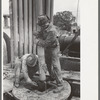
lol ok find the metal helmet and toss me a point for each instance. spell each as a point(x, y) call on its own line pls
point(31, 60)
point(42, 20)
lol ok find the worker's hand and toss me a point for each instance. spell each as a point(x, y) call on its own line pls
point(36, 41)
point(31, 82)
point(40, 43)
point(35, 33)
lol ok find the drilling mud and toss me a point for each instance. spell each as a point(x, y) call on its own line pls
point(28, 92)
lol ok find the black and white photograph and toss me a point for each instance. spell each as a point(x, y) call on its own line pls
point(41, 50)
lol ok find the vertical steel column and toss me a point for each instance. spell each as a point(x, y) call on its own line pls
point(48, 8)
point(30, 26)
point(44, 6)
point(34, 25)
point(34, 15)
point(40, 6)
point(37, 10)
point(51, 9)
point(15, 27)
point(11, 32)
point(21, 36)
point(25, 26)
point(40, 50)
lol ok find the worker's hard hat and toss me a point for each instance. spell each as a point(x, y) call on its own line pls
point(42, 20)
point(31, 60)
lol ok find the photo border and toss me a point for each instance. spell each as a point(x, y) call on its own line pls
point(98, 49)
point(1, 50)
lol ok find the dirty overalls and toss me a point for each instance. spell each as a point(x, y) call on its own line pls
point(51, 44)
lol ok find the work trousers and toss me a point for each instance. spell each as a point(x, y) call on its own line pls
point(53, 63)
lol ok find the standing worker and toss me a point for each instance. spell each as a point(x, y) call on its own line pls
point(48, 39)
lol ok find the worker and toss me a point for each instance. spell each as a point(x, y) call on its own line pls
point(47, 38)
point(28, 65)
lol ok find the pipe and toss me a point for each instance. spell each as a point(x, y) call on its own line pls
point(15, 27)
point(41, 59)
point(51, 10)
point(65, 40)
point(11, 32)
point(44, 6)
point(34, 25)
point(48, 8)
point(25, 26)
point(21, 35)
point(30, 26)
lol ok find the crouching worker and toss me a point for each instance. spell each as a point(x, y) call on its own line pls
point(28, 65)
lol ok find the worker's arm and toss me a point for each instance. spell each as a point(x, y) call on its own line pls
point(25, 72)
point(50, 41)
point(37, 34)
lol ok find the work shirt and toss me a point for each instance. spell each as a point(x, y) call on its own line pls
point(48, 37)
point(27, 69)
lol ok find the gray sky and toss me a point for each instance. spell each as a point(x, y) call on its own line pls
point(5, 6)
point(65, 5)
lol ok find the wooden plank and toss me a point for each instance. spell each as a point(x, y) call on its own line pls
point(48, 8)
point(25, 26)
point(21, 35)
point(15, 27)
point(30, 26)
point(51, 10)
point(71, 75)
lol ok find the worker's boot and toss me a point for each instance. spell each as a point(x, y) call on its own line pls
point(59, 80)
point(59, 88)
